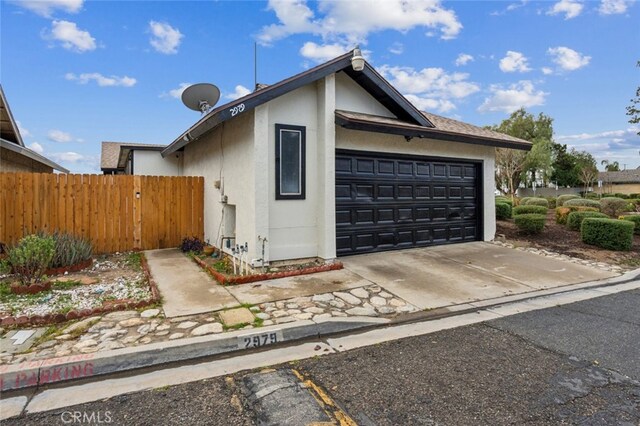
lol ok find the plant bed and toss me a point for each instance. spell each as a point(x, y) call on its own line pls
point(17, 288)
point(71, 268)
point(221, 270)
point(558, 238)
point(113, 282)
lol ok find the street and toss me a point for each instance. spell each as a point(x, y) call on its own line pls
point(573, 364)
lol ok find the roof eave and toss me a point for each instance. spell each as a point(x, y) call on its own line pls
point(32, 155)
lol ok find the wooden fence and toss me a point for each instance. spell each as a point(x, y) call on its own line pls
point(116, 213)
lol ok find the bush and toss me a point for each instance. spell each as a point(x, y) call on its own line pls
point(504, 200)
point(574, 219)
point(534, 201)
point(191, 244)
point(636, 220)
point(31, 258)
point(69, 249)
point(620, 195)
point(610, 234)
point(613, 206)
point(563, 198)
point(529, 210)
point(552, 202)
point(523, 201)
point(530, 223)
point(582, 202)
point(563, 212)
point(591, 195)
point(503, 211)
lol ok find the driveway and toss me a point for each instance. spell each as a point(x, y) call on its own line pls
point(448, 275)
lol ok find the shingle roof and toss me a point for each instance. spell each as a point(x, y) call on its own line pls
point(111, 152)
point(624, 176)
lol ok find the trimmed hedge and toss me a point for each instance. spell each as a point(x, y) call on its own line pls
point(530, 223)
point(636, 220)
point(524, 200)
point(613, 206)
point(534, 201)
point(563, 212)
point(504, 201)
point(529, 210)
point(610, 234)
point(563, 198)
point(574, 219)
point(583, 202)
point(503, 211)
point(552, 202)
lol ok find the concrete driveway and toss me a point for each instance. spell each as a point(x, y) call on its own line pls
point(448, 275)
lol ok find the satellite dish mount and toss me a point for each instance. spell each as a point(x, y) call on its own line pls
point(201, 97)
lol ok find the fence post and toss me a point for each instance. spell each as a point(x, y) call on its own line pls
point(137, 213)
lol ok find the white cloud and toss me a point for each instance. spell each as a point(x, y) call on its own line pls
point(25, 133)
point(177, 92)
point(613, 7)
point(59, 136)
point(164, 38)
point(71, 37)
point(510, 7)
point(101, 80)
point(352, 21)
point(47, 7)
point(514, 61)
point(36, 147)
point(508, 99)
point(396, 48)
point(568, 59)
point(611, 145)
point(570, 8)
point(322, 53)
point(430, 88)
point(463, 59)
point(67, 157)
point(239, 92)
point(546, 70)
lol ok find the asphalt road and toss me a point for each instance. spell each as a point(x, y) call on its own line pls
point(576, 364)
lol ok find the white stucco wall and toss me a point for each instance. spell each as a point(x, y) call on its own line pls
point(350, 96)
point(233, 142)
point(151, 163)
point(378, 142)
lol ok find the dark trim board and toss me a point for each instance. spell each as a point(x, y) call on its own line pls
point(387, 201)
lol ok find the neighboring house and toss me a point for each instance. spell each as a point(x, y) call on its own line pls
point(622, 182)
point(123, 158)
point(14, 155)
point(335, 161)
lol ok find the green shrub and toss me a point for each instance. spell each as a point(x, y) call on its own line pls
point(552, 202)
point(534, 201)
point(530, 223)
point(582, 202)
point(503, 211)
point(529, 210)
point(563, 212)
point(524, 201)
point(610, 234)
point(504, 200)
point(69, 249)
point(620, 195)
point(636, 220)
point(634, 195)
point(591, 195)
point(613, 206)
point(574, 219)
point(562, 198)
point(31, 258)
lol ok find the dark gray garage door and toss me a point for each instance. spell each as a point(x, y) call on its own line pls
point(386, 202)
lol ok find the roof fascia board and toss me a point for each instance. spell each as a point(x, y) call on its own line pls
point(14, 125)
point(366, 126)
point(31, 154)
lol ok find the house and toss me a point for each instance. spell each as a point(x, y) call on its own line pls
point(124, 158)
point(14, 155)
point(335, 161)
point(621, 182)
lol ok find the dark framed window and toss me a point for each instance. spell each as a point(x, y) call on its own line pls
point(290, 162)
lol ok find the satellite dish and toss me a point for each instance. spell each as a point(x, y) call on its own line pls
point(201, 97)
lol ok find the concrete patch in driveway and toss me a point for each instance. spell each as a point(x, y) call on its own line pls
point(455, 274)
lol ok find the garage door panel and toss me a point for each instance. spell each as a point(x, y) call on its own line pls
point(386, 202)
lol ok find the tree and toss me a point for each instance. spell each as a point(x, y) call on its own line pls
point(514, 167)
point(610, 166)
point(587, 170)
point(633, 110)
point(565, 172)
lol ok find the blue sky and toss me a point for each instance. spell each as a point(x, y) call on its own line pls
point(77, 72)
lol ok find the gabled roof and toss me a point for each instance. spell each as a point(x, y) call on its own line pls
point(444, 129)
point(623, 176)
point(111, 153)
point(368, 79)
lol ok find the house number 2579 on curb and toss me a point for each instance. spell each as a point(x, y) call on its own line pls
point(259, 339)
point(236, 110)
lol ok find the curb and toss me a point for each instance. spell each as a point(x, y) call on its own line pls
point(55, 370)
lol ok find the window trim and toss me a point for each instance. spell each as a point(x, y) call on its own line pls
point(303, 167)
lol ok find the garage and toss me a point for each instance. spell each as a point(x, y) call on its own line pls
point(393, 201)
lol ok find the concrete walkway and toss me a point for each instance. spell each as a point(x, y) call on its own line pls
point(185, 288)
